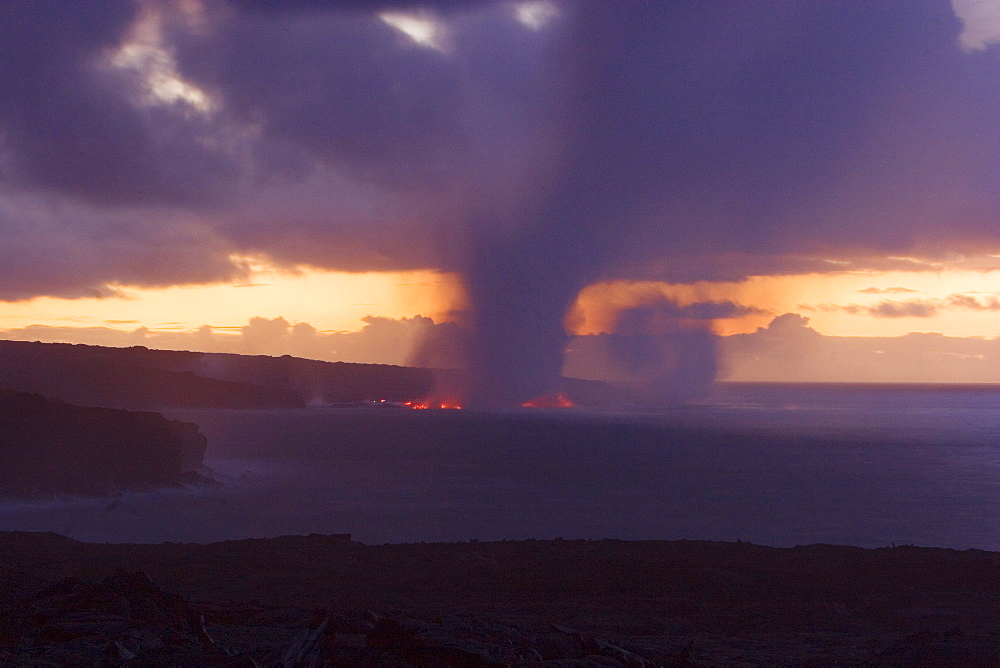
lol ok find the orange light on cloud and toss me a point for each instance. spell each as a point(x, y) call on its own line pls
point(820, 297)
point(337, 301)
point(329, 301)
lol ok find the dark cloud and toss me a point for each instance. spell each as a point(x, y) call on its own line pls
point(275, 7)
point(344, 89)
point(916, 308)
point(69, 122)
point(737, 135)
point(50, 248)
point(971, 302)
point(58, 116)
point(663, 314)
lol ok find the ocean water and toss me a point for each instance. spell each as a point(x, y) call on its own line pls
point(771, 464)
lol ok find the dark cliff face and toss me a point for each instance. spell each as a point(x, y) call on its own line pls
point(49, 447)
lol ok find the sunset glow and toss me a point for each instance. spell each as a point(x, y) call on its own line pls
point(838, 304)
point(329, 301)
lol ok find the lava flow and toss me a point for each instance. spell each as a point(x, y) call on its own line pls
point(558, 400)
point(423, 405)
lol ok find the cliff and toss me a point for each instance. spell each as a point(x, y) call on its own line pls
point(50, 447)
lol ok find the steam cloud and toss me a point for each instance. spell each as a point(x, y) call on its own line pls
point(150, 143)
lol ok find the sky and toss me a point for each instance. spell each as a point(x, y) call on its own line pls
point(485, 183)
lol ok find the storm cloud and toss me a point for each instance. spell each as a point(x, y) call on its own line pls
point(156, 143)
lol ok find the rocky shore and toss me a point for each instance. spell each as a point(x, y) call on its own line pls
point(327, 600)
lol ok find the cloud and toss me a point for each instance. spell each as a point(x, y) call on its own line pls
point(914, 308)
point(972, 302)
point(788, 324)
point(417, 341)
point(664, 314)
point(368, 153)
point(889, 308)
point(789, 351)
point(536, 14)
point(917, 308)
point(83, 250)
point(980, 23)
point(886, 291)
point(280, 7)
point(69, 121)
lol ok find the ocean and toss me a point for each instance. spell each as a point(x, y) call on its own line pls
point(773, 464)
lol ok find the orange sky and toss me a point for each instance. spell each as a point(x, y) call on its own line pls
point(336, 301)
point(835, 303)
point(329, 301)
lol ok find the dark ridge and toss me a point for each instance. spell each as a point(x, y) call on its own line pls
point(141, 378)
point(48, 447)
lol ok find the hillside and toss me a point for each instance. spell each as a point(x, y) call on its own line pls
point(141, 378)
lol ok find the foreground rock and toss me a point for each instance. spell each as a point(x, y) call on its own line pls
point(326, 600)
point(48, 447)
point(125, 619)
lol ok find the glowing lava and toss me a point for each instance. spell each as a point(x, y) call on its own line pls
point(424, 405)
point(558, 400)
